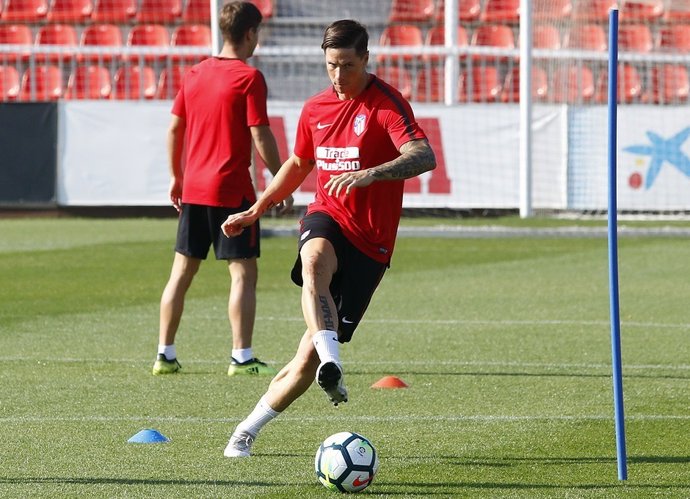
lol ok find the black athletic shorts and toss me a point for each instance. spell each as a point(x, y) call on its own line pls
point(356, 277)
point(199, 227)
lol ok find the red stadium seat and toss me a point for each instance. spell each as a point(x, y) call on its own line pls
point(674, 38)
point(493, 35)
point(545, 36)
point(191, 35)
point(101, 35)
point(551, 10)
point(265, 7)
point(593, 10)
point(170, 81)
point(635, 38)
point(70, 11)
point(42, 83)
point(670, 84)
point(677, 11)
point(485, 82)
point(436, 36)
point(400, 35)
point(573, 84)
point(501, 11)
point(29, 11)
point(430, 85)
point(468, 10)
point(630, 88)
point(89, 82)
point(511, 87)
point(148, 35)
point(56, 34)
point(135, 82)
point(159, 11)
point(398, 77)
point(641, 10)
point(114, 11)
point(15, 34)
point(586, 37)
point(9, 83)
point(196, 11)
point(410, 11)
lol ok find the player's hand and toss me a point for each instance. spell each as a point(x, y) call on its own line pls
point(347, 181)
point(285, 206)
point(235, 224)
point(175, 193)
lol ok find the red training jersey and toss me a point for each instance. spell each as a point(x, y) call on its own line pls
point(219, 100)
point(357, 134)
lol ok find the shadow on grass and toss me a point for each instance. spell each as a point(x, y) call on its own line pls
point(132, 481)
point(526, 374)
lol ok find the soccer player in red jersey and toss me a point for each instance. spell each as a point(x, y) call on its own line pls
point(362, 137)
point(218, 113)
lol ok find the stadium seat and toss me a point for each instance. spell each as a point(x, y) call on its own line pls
point(635, 38)
point(436, 36)
point(551, 10)
point(135, 82)
point(501, 11)
point(9, 83)
point(46, 80)
point(493, 35)
point(148, 35)
point(511, 87)
point(28, 11)
point(196, 11)
point(430, 85)
point(674, 38)
point(468, 10)
point(70, 11)
point(573, 84)
point(641, 10)
point(593, 10)
point(101, 35)
point(485, 82)
point(170, 81)
point(586, 37)
point(399, 77)
point(159, 11)
point(670, 84)
point(400, 35)
point(15, 34)
point(114, 11)
point(89, 82)
point(56, 34)
point(630, 88)
point(410, 11)
point(677, 11)
point(265, 7)
point(191, 35)
point(546, 36)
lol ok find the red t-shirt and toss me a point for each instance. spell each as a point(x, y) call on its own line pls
point(356, 134)
point(219, 100)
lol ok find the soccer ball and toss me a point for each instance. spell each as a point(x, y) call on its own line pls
point(346, 462)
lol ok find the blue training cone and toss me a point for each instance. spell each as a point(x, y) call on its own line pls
point(148, 436)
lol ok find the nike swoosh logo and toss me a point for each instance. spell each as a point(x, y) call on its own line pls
point(319, 126)
point(357, 482)
point(345, 321)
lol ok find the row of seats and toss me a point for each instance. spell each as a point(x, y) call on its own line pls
point(114, 11)
point(508, 11)
point(574, 83)
point(102, 35)
point(631, 38)
point(89, 81)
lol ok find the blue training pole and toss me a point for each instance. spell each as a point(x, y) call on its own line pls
point(613, 249)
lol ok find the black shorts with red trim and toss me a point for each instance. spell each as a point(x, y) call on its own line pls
point(355, 279)
point(199, 227)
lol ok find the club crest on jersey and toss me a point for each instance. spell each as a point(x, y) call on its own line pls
point(360, 123)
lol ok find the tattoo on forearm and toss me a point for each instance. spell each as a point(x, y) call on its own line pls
point(327, 314)
point(416, 158)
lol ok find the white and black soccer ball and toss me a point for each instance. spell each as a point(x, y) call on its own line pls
point(346, 462)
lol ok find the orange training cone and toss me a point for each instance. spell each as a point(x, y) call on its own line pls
point(390, 382)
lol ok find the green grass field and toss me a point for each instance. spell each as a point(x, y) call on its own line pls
point(505, 343)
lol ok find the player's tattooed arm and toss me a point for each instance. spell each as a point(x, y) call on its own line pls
point(416, 157)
